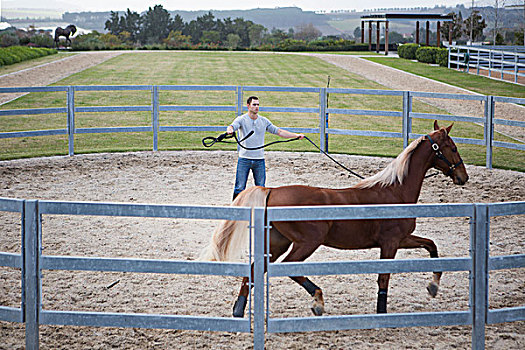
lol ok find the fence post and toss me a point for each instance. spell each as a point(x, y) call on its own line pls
point(490, 63)
point(407, 121)
point(489, 129)
point(467, 61)
point(239, 100)
point(155, 116)
point(515, 66)
point(480, 269)
point(31, 256)
point(71, 119)
point(258, 279)
point(322, 119)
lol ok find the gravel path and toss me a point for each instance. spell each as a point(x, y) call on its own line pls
point(52, 72)
point(398, 80)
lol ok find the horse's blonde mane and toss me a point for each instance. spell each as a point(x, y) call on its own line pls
point(395, 172)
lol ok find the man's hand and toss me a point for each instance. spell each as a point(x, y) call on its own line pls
point(229, 130)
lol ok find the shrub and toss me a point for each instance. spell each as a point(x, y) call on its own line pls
point(407, 51)
point(7, 58)
point(15, 54)
point(291, 45)
point(42, 40)
point(9, 39)
point(427, 54)
point(442, 57)
point(89, 41)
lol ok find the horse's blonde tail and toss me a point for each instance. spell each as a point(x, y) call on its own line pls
point(229, 239)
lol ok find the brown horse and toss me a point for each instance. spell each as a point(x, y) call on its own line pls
point(400, 182)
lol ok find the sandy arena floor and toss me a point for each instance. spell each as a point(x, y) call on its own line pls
point(206, 178)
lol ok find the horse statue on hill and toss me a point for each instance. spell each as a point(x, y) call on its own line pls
point(69, 30)
point(399, 183)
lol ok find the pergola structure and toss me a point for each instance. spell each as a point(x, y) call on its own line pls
point(388, 17)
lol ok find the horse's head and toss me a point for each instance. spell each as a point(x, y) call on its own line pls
point(446, 156)
point(72, 28)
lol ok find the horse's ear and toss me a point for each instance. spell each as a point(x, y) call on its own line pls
point(450, 127)
point(436, 126)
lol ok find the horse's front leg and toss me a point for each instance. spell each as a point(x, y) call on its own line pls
point(420, 242)
point(383, 280)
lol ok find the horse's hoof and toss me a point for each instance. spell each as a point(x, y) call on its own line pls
point(432, 289)
point(317, 310)
point(240, 305)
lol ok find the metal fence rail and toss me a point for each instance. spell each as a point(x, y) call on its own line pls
point(238, 107)
point(31, 261)
point(496, 59)
point(13, 260)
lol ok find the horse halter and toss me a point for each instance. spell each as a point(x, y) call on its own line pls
point(442, 157)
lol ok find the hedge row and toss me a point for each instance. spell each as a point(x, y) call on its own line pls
point(16, 54)
point(425, 54)
point(96, 41)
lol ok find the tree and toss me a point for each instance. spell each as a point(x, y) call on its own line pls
point(499, 40)
point(307, 32)
point(178, 23)
point(193, 31)
point(156, 25)
point(232, 41)
point(496, 20)
point(276, 36)
point(255, 33)
point(198, 26)
point(130, 23)
point(210, 37)
point(455, 27)
point(112, 24)
point(394, 38)
point(357, 33)
point(475, 23)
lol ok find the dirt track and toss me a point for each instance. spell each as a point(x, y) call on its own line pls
point(206, 178)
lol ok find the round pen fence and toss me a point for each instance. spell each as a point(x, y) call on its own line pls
point(238, 107)
point(31, 261)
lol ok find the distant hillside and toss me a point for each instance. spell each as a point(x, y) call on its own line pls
point(329, 23)
point(347, 21)
point(280, 18)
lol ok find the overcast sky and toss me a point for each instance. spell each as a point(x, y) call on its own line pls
point(142, 5)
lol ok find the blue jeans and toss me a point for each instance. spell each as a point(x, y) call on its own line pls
point(244, 165)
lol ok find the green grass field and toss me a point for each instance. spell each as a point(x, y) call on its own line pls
point(476, 83)
point(221, 68)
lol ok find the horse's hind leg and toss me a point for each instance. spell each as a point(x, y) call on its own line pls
point(420, 242)
point(300, 252)
point(278, 246)
point(314, 291)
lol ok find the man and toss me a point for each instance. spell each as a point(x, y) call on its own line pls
point(253, 159)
